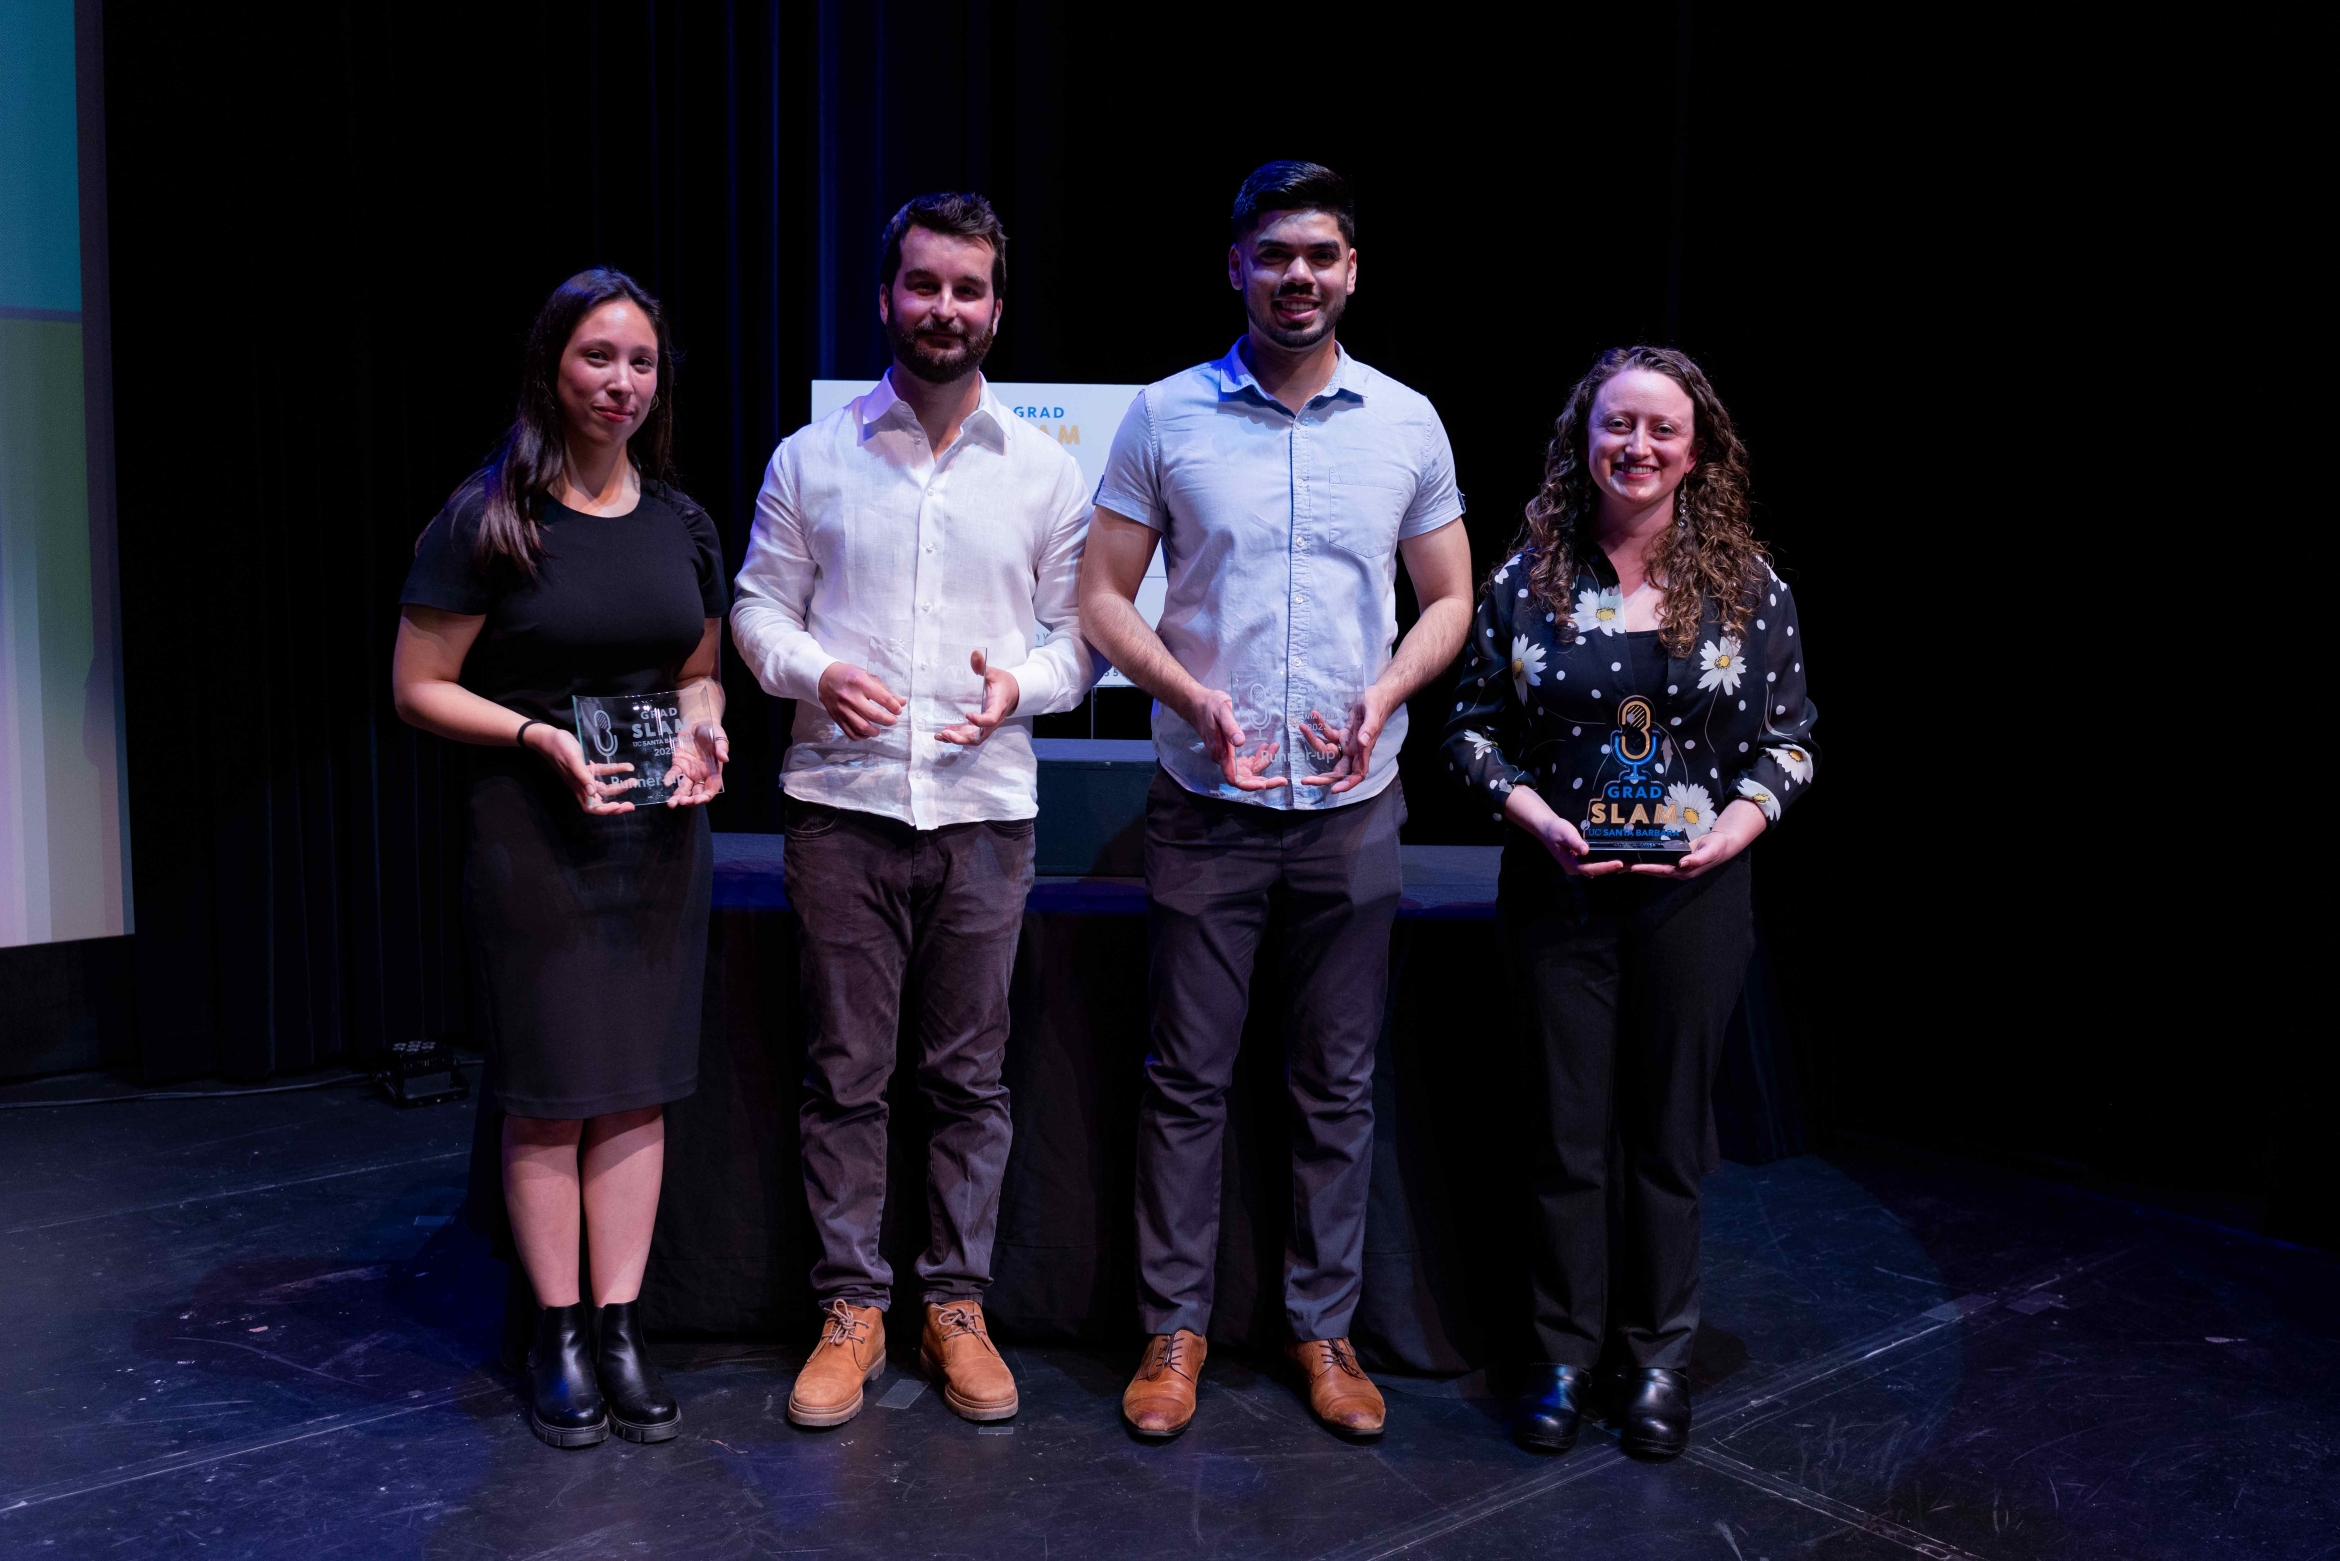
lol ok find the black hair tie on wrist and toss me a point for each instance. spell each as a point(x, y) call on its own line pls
point(520, 738)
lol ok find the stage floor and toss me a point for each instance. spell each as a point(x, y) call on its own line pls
point(249, 1328)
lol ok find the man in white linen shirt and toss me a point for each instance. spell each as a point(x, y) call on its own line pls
point(1284, 483)
point(912, 583)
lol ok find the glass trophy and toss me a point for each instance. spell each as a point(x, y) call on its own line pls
point(636, 729)
point(1634, 814)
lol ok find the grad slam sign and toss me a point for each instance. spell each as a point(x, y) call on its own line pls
point(1081, 418)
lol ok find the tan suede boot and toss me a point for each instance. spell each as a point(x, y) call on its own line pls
point(1340, 1393)
point(956, 1351)
point(1159, 1400)
point(852, 1350)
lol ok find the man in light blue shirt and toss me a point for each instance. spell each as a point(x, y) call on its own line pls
point(1284, 483)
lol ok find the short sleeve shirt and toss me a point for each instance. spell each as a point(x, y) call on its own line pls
point(1280, 535)
point(617, 606)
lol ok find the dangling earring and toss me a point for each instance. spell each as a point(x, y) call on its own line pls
point(1682, 507)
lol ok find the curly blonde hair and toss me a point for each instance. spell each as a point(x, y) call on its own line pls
point(1708, 554)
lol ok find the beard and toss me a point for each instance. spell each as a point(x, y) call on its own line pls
point(939, 368)
point(1328, 315)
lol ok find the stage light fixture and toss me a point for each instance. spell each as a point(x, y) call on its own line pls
point(422, 1073)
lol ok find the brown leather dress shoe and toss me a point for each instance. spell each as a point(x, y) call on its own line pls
point(976, 1383)
point(1340, 1393)
point(852, 1350)
point(1160, 1398)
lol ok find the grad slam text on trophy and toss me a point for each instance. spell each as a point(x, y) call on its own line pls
point(636, 729)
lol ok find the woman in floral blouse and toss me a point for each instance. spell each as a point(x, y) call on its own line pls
point(1637, 653)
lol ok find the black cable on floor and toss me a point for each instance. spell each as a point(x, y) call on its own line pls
point(187, 1094)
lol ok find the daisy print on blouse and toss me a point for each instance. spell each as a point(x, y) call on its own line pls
point(1719, 664)
point(1527, 665)
point(1692, 808)
point(1601, 609)
point(1623, 738)
point(1794, 763)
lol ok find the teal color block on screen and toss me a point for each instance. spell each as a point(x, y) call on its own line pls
point(40, 200)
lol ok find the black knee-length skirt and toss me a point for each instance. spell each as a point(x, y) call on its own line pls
point(590, 946)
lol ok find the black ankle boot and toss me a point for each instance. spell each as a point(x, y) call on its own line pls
point(564, 1398)
point(1651, 1411)
point(1549, 1407)
point(640, 1408)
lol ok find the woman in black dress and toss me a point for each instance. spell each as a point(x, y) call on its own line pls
point(1635, 663)
point(570, 565)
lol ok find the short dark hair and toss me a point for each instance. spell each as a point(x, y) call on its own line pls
point(1295, 186)
point(959, 214)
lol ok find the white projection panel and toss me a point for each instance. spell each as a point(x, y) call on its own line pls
point(1082, 418)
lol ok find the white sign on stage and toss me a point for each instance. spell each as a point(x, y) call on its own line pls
point(1082, 418)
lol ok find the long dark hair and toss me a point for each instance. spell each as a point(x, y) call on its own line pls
point(528, 460)
point(1709, 554)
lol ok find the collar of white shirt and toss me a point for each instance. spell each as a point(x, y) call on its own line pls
point(883, 404)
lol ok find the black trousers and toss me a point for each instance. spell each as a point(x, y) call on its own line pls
point(889, 909)
point(1624, 987)
point(1214, 870)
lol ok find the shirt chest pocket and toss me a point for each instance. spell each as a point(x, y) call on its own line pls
point(1361, 520)
point(1365, 495)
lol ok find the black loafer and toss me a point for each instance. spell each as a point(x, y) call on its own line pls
point(564, 1396)
point(1650, 1407)
point(640, 1408)
point(1549, 1408)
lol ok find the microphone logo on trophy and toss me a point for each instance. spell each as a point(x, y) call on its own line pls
point(1632, 816)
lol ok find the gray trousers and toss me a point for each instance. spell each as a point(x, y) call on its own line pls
point(890, 911)
point(1213, 870)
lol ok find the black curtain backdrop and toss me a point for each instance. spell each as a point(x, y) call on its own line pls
point(331, 224)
